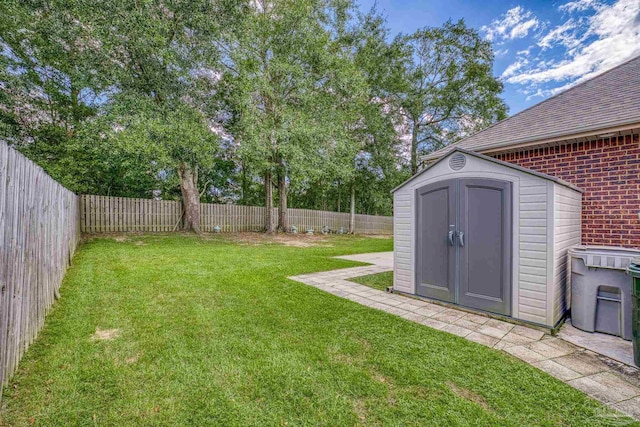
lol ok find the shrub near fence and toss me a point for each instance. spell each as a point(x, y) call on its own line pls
point(39, 232)
point(104, 214)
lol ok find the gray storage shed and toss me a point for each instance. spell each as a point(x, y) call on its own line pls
point(488, 235)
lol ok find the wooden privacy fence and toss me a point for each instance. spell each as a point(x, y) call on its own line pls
point(104, 214)
point(39, 232)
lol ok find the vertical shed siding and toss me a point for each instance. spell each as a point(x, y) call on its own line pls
point(402, 231)
point(533, 274)
point(567, 233)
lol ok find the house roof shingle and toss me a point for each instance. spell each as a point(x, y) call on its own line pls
point(608, 100)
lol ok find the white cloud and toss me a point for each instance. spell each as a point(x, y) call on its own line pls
point(563, 34)
point(577, 6)
point(513, 69)
point(524, 52)
point(514, 24)
point(522, 29)
point(538, 93)
point(591, 45)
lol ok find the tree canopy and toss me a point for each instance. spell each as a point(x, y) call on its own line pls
point(301, 103)
point(449, 90)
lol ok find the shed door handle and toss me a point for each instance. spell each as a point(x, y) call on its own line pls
point(461, 238)
point(451, 233)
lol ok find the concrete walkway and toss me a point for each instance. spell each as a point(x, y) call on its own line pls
point(615, 384)
point(607, 345)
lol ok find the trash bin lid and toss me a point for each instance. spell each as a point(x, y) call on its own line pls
point(604, 256)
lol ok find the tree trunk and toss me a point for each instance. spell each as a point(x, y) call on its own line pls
point(414, 149)
point(75, 105)
point(283, 216)
point(268, 202)
point(244, 184)
point(190, 197)
point(352, 213)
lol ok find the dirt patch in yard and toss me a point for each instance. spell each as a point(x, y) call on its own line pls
point(295, 240)
point(251, 238)
point(302, 244)
point(468, 395)
point(345, 359)
point(360, 408)
point(105, 334)
point(380, 378)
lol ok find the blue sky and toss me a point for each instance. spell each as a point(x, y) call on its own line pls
point(541, 47)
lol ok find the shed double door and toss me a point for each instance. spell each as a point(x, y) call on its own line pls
point(463, 243)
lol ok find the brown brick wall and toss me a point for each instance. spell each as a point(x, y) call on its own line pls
point(609, 173)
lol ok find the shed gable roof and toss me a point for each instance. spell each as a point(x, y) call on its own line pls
point(456, 149)
point(608, 100)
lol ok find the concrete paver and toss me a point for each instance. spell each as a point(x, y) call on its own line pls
point(466, 323)
point(557, 370)
point(606, 387)
point(482, 339)
point(526, 354)
point(552, 348)
point(517, 339)
point(457, 330)
point(583, 362)
point(630, 407)
point(491, 331)
point(449, 315)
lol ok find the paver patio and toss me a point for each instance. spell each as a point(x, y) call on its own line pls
point(605, 379)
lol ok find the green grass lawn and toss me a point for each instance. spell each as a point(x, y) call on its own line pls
point(380, 281)
point(210, 332)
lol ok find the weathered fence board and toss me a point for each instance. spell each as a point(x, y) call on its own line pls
point(39, 232)
point(102, 214)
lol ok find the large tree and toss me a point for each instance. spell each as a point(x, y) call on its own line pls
point(251, 101)
point(55, 77)
point(377, 158)
point(82, 75)
point(178, 139)
point(450, 90)
point(163, 57)
point(289, 77)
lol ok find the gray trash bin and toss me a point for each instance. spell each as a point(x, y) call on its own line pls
point(601, 289)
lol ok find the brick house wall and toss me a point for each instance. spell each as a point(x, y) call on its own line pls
point(609, 173)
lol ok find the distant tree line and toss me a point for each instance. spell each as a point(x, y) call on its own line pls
point(287, 103)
